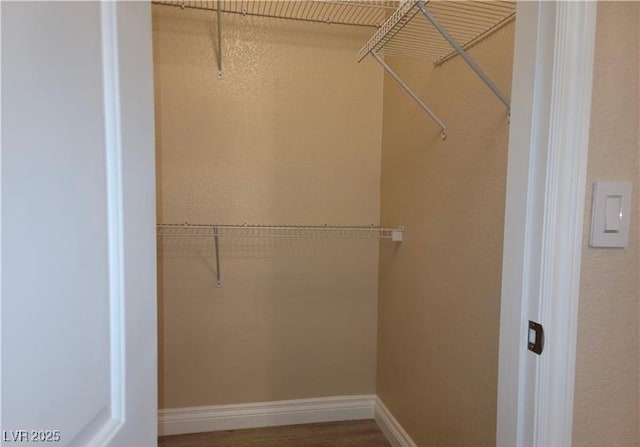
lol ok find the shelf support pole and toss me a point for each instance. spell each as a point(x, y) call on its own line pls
point(215, 242)
point(218, 2)
point(463, 54)
point(406, 88)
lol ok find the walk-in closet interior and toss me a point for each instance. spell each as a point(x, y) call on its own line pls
point(330, 205)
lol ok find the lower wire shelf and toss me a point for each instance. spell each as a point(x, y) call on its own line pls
point(299, 231)
point(292, 231)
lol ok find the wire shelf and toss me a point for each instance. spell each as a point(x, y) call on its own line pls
point(440, 29)
point(370, 13)
point(293, 231)
point(409, 34)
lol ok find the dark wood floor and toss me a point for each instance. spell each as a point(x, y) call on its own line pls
point(331, 434)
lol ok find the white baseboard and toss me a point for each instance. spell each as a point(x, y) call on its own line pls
point(391, 428)
point(174, 421)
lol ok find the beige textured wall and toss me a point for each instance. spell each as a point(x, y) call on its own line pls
point(439, 299)
point(291, 135)
point(606, 389)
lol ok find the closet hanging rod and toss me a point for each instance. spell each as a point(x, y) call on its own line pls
point(370, 13)
point(293, 231)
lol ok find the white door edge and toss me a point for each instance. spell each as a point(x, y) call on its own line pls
point(79, 150)
point(1, 295)
point(546, 184)
point(115, 205)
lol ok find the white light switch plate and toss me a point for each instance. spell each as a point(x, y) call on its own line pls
point(611, 214)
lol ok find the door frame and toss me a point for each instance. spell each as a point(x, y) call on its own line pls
point(544, 218)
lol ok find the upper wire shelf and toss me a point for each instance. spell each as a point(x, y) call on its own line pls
point(410, 34)
point(370, 13)
point(294, 231)
point(438, 29)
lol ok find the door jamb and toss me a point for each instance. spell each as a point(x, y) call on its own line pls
point(546, 185)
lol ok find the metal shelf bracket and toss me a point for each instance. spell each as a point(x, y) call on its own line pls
point(219, 54)
point(215, 241)
point(416, 98)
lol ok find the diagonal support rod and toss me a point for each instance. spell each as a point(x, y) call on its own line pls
point(406, 88)
point(475, 67)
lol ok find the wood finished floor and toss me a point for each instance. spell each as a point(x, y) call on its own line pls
point(331, 434)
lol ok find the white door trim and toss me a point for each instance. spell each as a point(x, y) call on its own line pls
point(546, 187)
